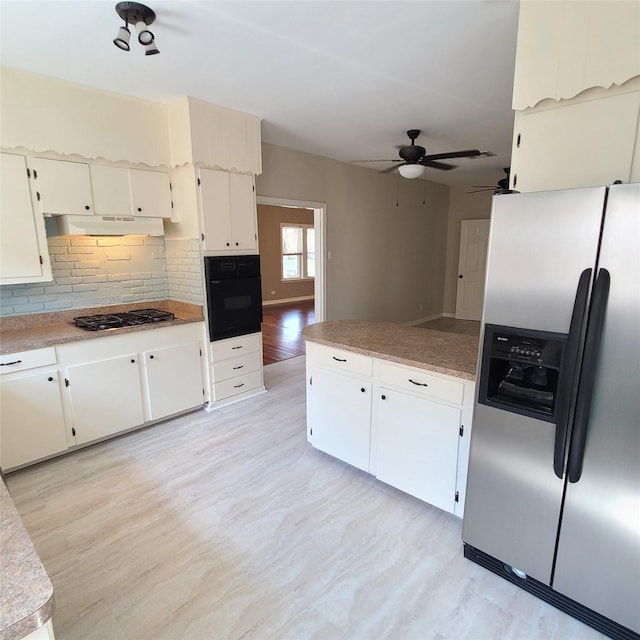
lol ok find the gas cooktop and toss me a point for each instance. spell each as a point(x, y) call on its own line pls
point(123, 319)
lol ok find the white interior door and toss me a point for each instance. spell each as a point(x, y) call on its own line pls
point(472, 264)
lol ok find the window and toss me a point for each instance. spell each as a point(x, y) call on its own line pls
point(298, 251)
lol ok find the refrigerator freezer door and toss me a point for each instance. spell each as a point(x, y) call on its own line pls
point(538, 247)
point(513, 495)
point(598, 561)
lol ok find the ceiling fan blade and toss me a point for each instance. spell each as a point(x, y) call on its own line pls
point(437, 165)
point(468, 153)
point(392, 167)
point(483, 190)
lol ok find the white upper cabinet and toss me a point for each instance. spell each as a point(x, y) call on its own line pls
point(228, 209)
point(24, 255)
point(214, 136)
point(150, 193)
point(111, 190)
point(565, 47)
point(130, 192)
point(63, 188)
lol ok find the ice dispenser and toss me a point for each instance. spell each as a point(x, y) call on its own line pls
point(520, 370)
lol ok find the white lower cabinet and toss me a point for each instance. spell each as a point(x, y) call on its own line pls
point(174, 379)
point(106, 397)
point(32, 423)
point(417, 446)
point(127, 380)
point(339, 415)
point(413, 436)
point(236, 367)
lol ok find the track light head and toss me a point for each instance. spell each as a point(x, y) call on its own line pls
point(150, 49)
point(122, 39)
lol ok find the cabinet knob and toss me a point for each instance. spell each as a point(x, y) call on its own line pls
point(237, 243)
point(139, 208)
point(50, 379)
point(228, 244)
point(151, 357)
point(362, 389)
point(384, 397)
point(87, 207)
point(133, 361)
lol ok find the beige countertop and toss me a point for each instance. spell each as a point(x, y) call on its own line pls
point(26, 596)
point(37, 331)
point(450, 353)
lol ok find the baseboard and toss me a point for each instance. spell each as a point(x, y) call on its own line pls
point(427, 319)
point(266, 303)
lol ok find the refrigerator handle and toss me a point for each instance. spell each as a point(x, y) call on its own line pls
point(566, 388)
point(588, 375)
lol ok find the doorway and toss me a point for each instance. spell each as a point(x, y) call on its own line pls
point(284, 316)
point(472, 265)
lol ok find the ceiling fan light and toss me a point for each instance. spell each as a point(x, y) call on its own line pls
point(411, 170)
point(122, 39)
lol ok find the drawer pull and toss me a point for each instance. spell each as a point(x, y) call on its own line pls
point(6, 364)
point(238, 347)
point(237, 386)
point(50, 379)
point(362, 389)
point(419, 384)
point(240, 367)
point(339, 359)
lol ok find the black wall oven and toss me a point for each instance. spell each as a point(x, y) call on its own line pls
point(234, 295)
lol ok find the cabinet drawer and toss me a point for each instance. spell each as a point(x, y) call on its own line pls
point(236, 367)
point(13, 362)
point(233, 387)
point(422, 383)
point(234, 347)
point(340, 360)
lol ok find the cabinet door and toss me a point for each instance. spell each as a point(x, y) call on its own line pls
point(339, 416)
point(243, 212)
point(64, 187)
point(174, 379)
point(31, 419)
point(150, 193)
point(417, 447)
point(21, 259)
point(214, 205)
point(111, 190)
point(105, 397)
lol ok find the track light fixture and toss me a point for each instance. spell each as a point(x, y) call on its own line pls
point(140, 16)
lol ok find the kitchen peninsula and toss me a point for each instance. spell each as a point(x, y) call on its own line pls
point(394, 401)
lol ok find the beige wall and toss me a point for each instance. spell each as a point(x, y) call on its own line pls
point(462, 206)
point(387, 260)
point(269, 220)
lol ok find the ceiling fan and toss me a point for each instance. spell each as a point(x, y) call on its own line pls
point(501, 187)
point(414, 158)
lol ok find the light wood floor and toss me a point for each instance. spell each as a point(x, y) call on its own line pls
point(229, 525)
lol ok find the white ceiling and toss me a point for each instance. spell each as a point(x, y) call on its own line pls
point(338, 79)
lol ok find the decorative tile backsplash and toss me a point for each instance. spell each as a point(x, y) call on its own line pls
point(93, 271)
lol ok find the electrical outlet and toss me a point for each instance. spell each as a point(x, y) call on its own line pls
point(273, 293)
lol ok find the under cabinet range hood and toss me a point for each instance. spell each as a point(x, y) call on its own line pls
point(110, 225)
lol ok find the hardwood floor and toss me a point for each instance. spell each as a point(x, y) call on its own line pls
point(282, 327)
point(229, 525)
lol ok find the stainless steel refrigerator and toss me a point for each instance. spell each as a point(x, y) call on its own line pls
point(553, 490)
